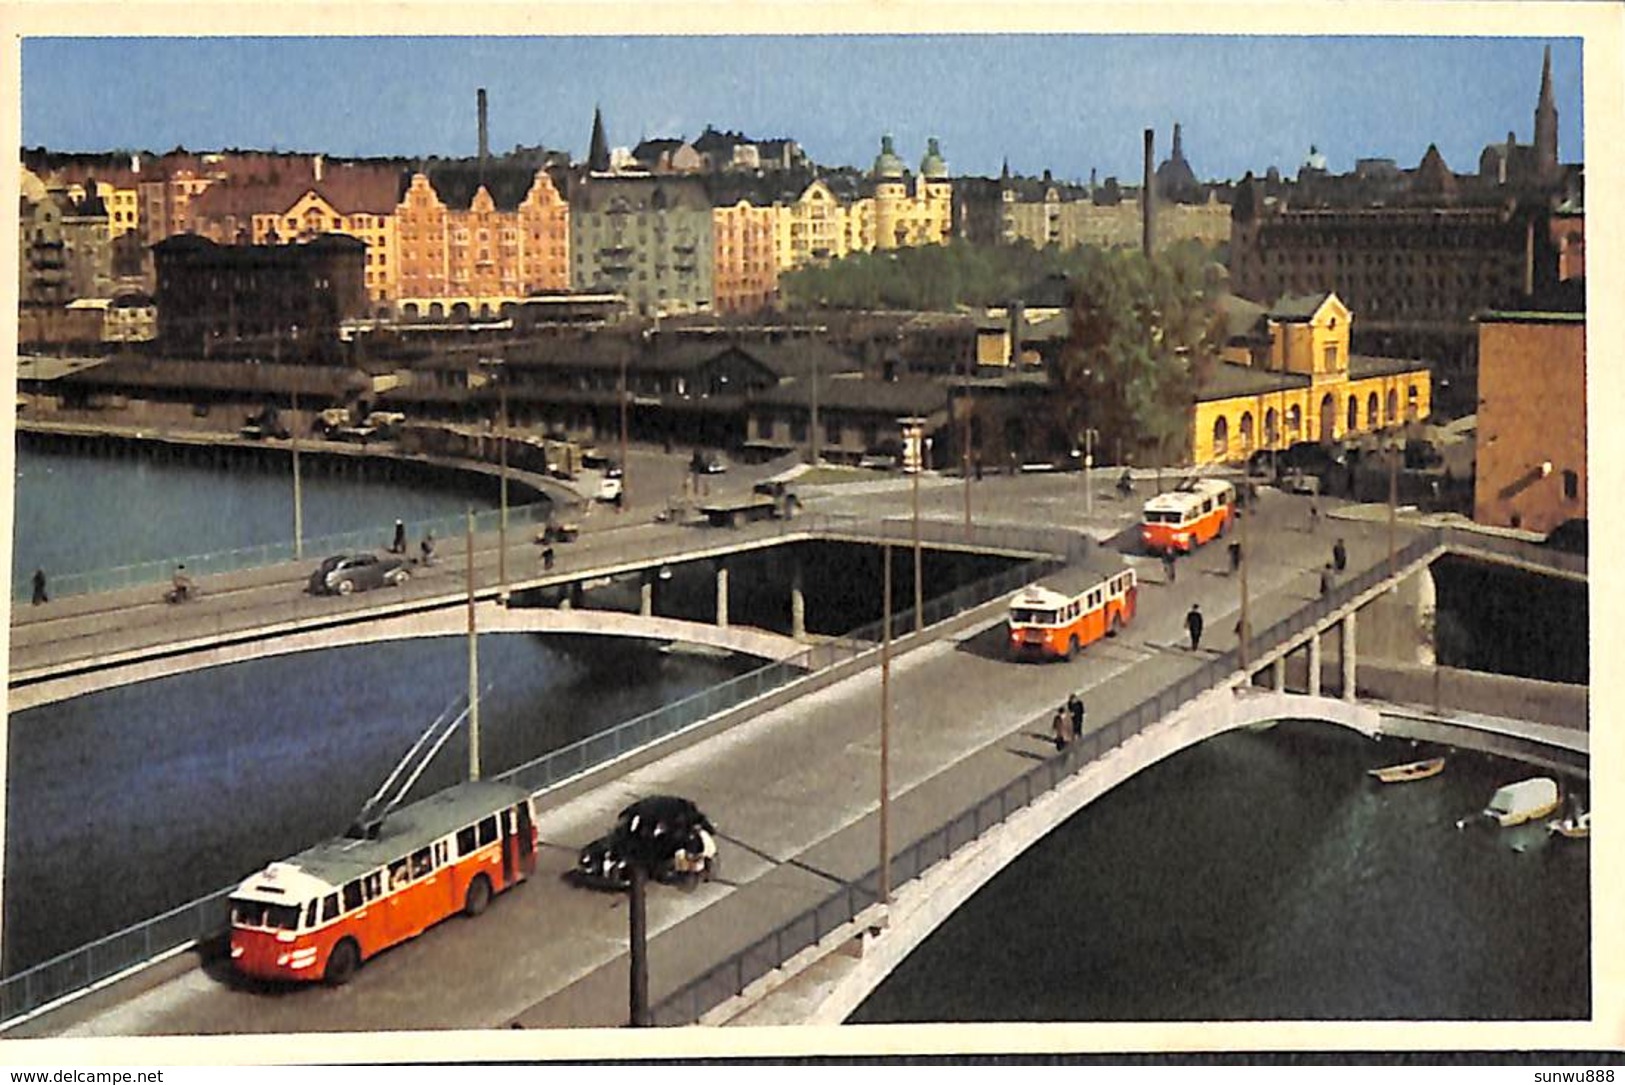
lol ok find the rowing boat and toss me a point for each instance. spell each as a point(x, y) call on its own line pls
point(1411, 770)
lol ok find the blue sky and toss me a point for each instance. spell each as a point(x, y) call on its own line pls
point(1066, 102)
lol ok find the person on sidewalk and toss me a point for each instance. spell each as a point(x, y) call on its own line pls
point(1314, 515)
point(1061, 726)
point(1340, 556)
point(1074, 709)
point(40, 595)
point(1326, 577)
point(1235, 557)
point(1168, 572)
point(426, 547)
point(1193, 625)
point(399, 545)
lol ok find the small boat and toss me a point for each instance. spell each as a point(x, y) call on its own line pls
point(1411, 770)
point(1575, 828)
point(1523, 801)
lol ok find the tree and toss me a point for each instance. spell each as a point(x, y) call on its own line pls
point(1145, 335)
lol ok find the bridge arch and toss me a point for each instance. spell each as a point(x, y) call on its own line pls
point(920, 906)
point(490, 617)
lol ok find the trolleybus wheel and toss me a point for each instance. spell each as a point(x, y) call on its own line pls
point(479, 895)
point(1072, 646)
point(342, 963)
point(1117, 625)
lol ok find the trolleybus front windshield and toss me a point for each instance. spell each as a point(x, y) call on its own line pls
point(253, 913)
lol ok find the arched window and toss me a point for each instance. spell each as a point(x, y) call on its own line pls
point(1393, 406)
point(1272, 428)
point(1221, 438)
point(1372, 420)
point(1328, 417)
point(1247, 431)
point(1294, 422)
point(1411, 403)
point(1354, 414)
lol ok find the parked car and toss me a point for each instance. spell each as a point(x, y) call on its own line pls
point(665, 834)
point(706, 463)
point(609, 488)
point(342, 574)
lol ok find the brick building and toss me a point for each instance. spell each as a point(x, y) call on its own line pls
point(1531, 465)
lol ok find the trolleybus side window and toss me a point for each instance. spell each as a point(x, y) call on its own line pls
point(397, 874)
point(352, 895)
point(465, 841)
point(488, 829)
point(310, 913)
point(440, 849)
point(373, 884)
point(330, 907)
point(421, 863)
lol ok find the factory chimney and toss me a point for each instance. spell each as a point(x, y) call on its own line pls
point(1148, 197)
point(485, 145)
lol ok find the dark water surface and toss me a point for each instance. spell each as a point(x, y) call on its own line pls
point(1262, 875)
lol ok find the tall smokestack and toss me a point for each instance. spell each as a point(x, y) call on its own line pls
point(1147, 200)
point(485, 146)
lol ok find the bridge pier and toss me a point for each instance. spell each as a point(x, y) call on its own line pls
point(798, 601)
point(1278, 674)
point(1314, 663)
point(646, 593)
point(1346, 649)
point(722, 594)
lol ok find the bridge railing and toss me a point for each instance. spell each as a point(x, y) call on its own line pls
point(445, 528)
point(78, 969)
point(732, 976)
point(1523, 550)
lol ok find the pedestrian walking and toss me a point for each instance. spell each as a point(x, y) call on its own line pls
point(547, 559)
point(1193, 625)
point(1314, 515)
point(1235, 557)
point(426, 547)
point(1340, 556)
point(1074, 709)
point(1168, 574)
point(399, 545)
point(1326, 579)
point(39, 588)
point(1060, 725)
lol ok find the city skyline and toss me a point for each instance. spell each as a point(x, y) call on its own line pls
point(983, 96)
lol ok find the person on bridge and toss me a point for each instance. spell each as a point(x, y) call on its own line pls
point(1168, 573)
point(1193, 625)
point(1326, 578)
point(427, 547)
point(547, 558)
point(1074, 709)
point(1235, 557)
point(39, 588)
point(1062, 726)
point(1314, 515)
point(181, 587)
point(1340, 556)
point(399, 545)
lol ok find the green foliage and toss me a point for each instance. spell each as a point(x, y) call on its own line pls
point(1144, 336)
point(927, 277)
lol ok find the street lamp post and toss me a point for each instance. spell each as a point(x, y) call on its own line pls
point(473, 661)
point(913, 436)
point(964, 452)
point(298, 497)
point(1088, 472)
point(498, 374)
point(885, 727)
point(626, 468)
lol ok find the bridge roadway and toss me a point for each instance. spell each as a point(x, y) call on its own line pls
point(794, 794)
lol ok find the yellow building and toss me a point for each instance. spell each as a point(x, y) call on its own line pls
point(813, 228)
point(745, 272)
point(904, 219)
point(1288, 376)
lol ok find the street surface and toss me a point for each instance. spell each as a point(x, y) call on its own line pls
point(794, 792)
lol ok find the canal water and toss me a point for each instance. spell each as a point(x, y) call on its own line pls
point(1262, 875)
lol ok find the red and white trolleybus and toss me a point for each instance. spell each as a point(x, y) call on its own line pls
point(321, 913)
point(1185, 518)
point(1071, 609)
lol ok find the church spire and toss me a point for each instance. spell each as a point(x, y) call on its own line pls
point(1546, 124)
point(598, 153)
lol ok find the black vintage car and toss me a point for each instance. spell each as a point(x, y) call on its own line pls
point(342, 574)
point(667, 835)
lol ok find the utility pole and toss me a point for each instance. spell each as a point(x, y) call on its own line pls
point(1245, 639)
point(298, 497)
point(885, 728)
point(917, 431)
point(473, 663)
point(964, 448)
point(626, 496)
point(637, 916)
point(1393, 503)
point(1088, 472)
point(502, 446)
